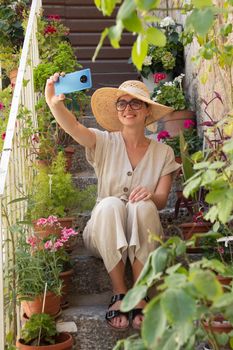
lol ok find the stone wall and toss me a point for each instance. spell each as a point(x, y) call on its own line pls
point(203, 77)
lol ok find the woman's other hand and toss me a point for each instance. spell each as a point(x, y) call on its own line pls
point(140, 193)
point(52, 99)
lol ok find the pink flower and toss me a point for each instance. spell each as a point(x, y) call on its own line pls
point(54, 17)
point(3, 136)
point(52, 220)
point(32, 240)
point(48, 245)
point(159, 76)
point(35, 138)
point(198, 217)
point(50, 29)
point(41, 222)
point(220, 250)
point(1, 106)
point(162, 135)
point(58, 244)
point(188, 123)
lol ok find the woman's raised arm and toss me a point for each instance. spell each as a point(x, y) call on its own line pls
point(65, 118)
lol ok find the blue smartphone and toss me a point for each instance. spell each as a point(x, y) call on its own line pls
point(75, 81)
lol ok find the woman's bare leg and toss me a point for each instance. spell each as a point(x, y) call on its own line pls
point(117, 276)
point(137, 268)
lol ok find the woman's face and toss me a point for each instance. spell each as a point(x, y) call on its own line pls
point(131, 111)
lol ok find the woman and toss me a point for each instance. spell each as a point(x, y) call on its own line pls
point(134, 179)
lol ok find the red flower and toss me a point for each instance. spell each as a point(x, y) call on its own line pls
point(188, 123)
point(162, 135)
point(3, 136)
point(50, 29)
point(158, 77)
point(54, 17)
point(198, 217)
point(1, 106)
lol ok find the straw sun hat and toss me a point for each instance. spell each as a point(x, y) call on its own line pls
point(103, 103)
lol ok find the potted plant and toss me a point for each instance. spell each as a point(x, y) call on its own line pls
point(171, 94)
point(12, 15)
point(53, 192)
point(162, 63)
point(38, 277)
point(187, 298)
point(39, 333)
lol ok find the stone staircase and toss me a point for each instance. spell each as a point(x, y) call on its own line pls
point(91, 289)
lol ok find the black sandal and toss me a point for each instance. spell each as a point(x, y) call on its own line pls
point(111, 314)
point(138, 311)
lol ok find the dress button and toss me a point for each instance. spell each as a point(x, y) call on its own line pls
point(125, 189)
point(129, 173)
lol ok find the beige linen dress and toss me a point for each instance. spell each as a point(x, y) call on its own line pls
point(118, 228)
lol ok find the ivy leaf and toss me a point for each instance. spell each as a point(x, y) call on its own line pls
point(133, 297)
point(126, 9)
point(179, 306)
point(154, 323)
point(201, 20)
point(155, 36)
point(139, 52)
point(132, 23)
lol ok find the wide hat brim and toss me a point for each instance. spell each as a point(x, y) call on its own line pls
point(103, 104)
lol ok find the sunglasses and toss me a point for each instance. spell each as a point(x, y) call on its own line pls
point(134, 104)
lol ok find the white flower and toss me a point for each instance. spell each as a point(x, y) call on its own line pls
point(158, 92)
point(179, 78)
point(168, 83)
point(167, 21)
point(154, 99)
point(147, 61)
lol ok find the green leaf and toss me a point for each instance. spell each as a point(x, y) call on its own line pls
point(114, 34)
point(133, 297)
point(154, 323)
point(106, 6)
point(178, 306)
point(208, 177)
point(159, 259)
point(126, 9)
point(216, 196)
point(155, 36)
point(225, 209)
point(224, 300)
point(100, 44)
point(212, 214)
point(146, 5)
point(202, 3)
point(206, 284)
point(139, 52)
point(133, 23)
point(201, 20)
point(191, 187)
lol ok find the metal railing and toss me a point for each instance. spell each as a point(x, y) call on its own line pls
point(16, 171)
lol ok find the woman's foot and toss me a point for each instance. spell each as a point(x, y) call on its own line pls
point(115, 318)
point(137, 314)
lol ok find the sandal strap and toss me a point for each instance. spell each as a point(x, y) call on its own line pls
point(115, 298)
point(115, 313)
point(136, 312)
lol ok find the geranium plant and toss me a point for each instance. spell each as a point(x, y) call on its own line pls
point(168, 58)
point(171, 94)
point(5, 104)
point(194, 142)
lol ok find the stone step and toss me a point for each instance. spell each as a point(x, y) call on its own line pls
point(88, 313)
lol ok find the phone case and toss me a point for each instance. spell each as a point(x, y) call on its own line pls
point(75, 81)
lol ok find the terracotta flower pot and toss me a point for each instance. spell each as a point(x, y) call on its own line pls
point(174, 121)
point(190, 228)
point(64, 341)
point(224, 280)
point(13, 76)
point(52, 305)
point(66, 277)
point(48, 230)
